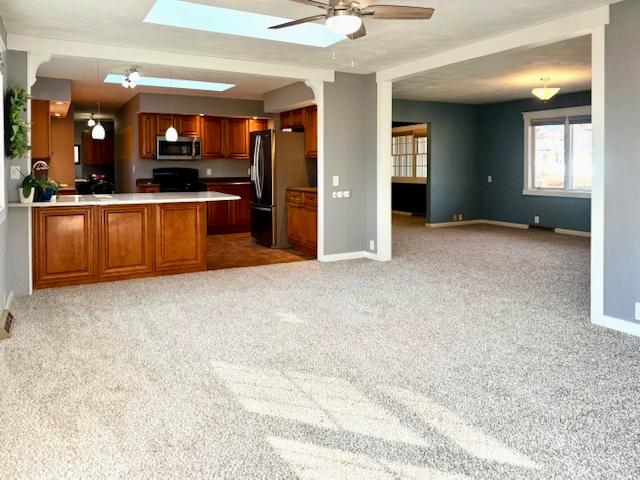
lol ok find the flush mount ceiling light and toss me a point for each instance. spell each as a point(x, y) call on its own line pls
point(545, 92)
point(131, 77)
point(91, 121)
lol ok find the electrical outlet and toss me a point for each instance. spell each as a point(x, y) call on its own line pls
point(489, 179)
point(455, 217)
point(460, 217)
point(638, 311)
point(347, 194)
point(340, 194)
point(15, 172)
point(536, 219)
point(372, 245)
point(133, 169)
point(334, 194)
point(208, 172)
point(336, 181)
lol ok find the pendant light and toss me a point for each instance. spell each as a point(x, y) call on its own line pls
point(91, 121)
point(545, 93)
point(171, 135)
point(97, 132)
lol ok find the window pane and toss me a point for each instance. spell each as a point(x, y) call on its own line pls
point(549, 156)
point(581, 153)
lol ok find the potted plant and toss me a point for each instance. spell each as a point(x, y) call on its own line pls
point(17, 131)
point(47, 190)
point(27, 190)
point(33, 189)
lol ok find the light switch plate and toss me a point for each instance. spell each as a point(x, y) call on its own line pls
point(336, 181)
point(15, 172)
point(489, 179)
point(208, 172)
point(536, 219)
point(638, 311)
point(372, 245)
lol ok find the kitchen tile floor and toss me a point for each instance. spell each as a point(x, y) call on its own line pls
point(239, 250)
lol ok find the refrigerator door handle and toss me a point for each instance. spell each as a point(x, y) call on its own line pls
point(256, 161)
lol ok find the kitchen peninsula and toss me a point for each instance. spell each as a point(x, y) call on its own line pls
point(99, 238)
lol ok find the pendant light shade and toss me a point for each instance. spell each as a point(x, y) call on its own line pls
point(171, 134)
point(98, 132)
point(545, 92)
point(91, 122)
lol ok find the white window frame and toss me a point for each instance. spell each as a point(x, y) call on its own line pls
point(529, 144)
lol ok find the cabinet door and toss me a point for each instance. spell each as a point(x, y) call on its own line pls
point(147, 130)
point(63, 246)
point(310, 235)
point(165, 121)
point(97, 152)
point(40, 129)
point(188, 125)
point(212, 138)
point(285, 120)
point(297, 118)
point(237, 138)
point(295, 217)
point(243, 208)
point(181, 237)
point(311, 132)
point(257, 125)
point(125, 239)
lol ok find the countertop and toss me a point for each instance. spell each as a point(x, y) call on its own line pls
point(304, 189)
point(208, 180)
point(130, 199)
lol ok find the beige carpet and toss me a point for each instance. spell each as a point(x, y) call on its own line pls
point(469, 356)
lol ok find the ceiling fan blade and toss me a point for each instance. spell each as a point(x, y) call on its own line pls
point(313, 3)
point(359, 34)
point(299, 22)
point(396, 12)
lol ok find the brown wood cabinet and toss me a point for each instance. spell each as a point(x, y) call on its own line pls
point(302, 219)
point(150, 188)
point(40, 130)
point(98, 152)
point(76, 245)
point(213, 137)
point(125, 240)
point(231, 216)
point(147, 131)
point(164, 122)
point(64, 246)
point(181, 236)
point(304, 119)
point(188, 125)
point(237, 136)
point(258, 124)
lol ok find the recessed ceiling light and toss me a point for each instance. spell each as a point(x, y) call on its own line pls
point(56, 114)
point(195, 16)
point(202, 114)
point(58, 103)
point(177, 83)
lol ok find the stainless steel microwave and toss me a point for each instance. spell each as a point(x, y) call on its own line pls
point(186, 148)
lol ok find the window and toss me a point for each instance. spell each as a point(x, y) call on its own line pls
point(410, 153)
point(558, 152)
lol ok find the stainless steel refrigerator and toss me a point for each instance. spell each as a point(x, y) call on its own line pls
point(277, 163)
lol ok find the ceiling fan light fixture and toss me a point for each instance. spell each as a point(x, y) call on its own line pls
point(344, 23)
point(545, 92)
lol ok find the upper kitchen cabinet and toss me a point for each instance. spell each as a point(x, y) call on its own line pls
point(311, 132)
point(148, 130)
point(212, 137)
point(258, 124)
point(237, 145)
point(40, 129)
point(297, 118)
point(164, 122)
point(188, 125)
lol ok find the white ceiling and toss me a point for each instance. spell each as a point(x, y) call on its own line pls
point(389, 43)
point(87, 91)
point(504, 76)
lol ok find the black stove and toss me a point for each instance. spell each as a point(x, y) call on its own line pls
point(178, 180)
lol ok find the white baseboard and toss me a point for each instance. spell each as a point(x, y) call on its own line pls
point(339, 257)
point(9, 301)
point(577, 233)
point(618, 324)
point(522, 226)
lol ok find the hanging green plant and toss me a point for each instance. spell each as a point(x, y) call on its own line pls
point(17, 141)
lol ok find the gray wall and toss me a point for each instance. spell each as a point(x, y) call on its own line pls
point(126, 117)
point(455, 152)
point(350, 152)
point(3, 216)
point(501, 148)
point(622, 164)
point(51, 89)
point(290, 97)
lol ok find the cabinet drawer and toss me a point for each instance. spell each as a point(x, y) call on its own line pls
point(310, 200)
point(294, 197)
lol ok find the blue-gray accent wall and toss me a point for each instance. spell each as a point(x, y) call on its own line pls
point(471, 142)
point(453, 177)
point(502, 157)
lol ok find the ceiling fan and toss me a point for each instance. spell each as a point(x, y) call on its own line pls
point(344, 17)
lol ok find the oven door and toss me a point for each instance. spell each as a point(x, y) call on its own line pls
point(183, 149)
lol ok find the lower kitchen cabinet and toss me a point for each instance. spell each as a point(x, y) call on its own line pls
point(64, 246)
point(181, 236)
point(76, 245)
point(302, 219)
point(125, 240)
point(232, 216)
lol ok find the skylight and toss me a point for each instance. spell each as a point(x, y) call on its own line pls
point(195, 16)
point(175, 83)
